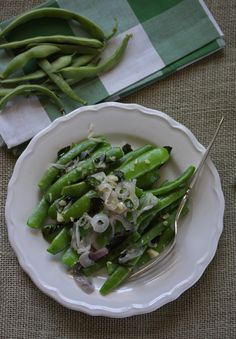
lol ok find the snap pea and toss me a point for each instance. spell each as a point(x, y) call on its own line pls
point(79, 73)
point(39, 214)
point(61, 39)
point(56, 65)
point(76, 190)
point(115, 279)
point(60, 242)
point(85, 168)
point(148, 179)
point(50, 231)
point(52, 172)
point(26, 90)
point(19, 61)
point(79, 207)
point(156, 230)
point(60, 82)
point(54, 208)
point(119, 275)
point(70, 257)
point(135, 154)
point(60, 13)
point(172, 185)
point(111, 267)
point(144, 163)
point(162, 203)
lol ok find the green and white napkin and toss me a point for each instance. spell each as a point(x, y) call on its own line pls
point(167, 36)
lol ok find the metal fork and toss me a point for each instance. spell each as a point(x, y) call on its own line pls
point(185, 198)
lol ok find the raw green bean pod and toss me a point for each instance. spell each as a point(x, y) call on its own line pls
point(19, 61)
point(68, 48)
point(28, 89)
point(60, 82)
point(93, 29)
point(60, 39)
point(79, 73)
point(56, 65)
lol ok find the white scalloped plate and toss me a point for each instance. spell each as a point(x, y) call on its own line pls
point(198, 236)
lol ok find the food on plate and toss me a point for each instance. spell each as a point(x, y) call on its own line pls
point(105, 206)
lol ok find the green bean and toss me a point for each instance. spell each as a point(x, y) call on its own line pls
point(74, 175)
point(70, 257)
point(170, 186)
point(5, 91)
point(79, 73)
point(60, 242)
point(111, 267)
point(60, 13)
point(79, 207)
point(61, 39)
point(68, 48)
point(19, 61)
point(56, 65)
point(144, 163)
point(26, 90)
point(76, 190)
point(52, 172)
point(59, 81)
point(39, 214)
point(148, 179)
point(82, 60)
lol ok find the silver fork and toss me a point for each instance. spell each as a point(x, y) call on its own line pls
point(185, 198)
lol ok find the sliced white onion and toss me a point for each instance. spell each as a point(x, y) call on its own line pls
point(130, 254)
point(85, 260)
point(100, 222)
point(58, 166)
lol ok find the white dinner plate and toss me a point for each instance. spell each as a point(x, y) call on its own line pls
point(197, 238)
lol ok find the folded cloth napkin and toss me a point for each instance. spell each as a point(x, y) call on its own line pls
point(167, 36)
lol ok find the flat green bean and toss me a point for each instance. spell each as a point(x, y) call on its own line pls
point(28, 89)
point(60, 13)
point(19, 61)
point(56, 65)
point(79, 73)
point(60, 82)
point(60, 39)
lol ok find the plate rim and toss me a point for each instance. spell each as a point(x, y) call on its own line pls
point(130, 310)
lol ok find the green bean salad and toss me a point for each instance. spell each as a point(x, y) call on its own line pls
point(106, 207)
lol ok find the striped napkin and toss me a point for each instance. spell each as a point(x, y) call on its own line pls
point(167, 36)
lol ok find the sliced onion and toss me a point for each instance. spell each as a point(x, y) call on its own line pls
point(126, 224)
point(100, 222)
point(100, 253)
point(85, 260)
point(130, 254)
point(58, 166)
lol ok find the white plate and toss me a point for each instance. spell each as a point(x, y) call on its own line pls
point(197, 238)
